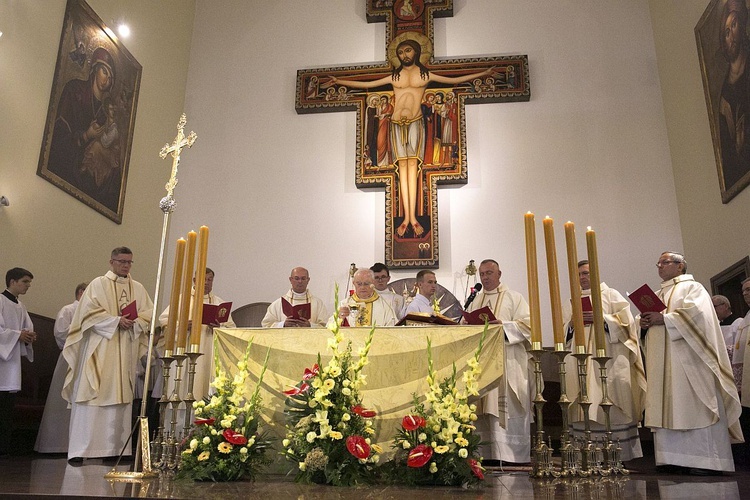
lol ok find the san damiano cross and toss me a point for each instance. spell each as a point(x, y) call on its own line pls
point(411, 126)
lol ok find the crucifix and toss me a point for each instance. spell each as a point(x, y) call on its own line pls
point(411, 125)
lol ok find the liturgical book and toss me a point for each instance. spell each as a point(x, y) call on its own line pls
point(479, 317)
point(216, 313)
point(130, 311)
point(646, 300)
point(300, 311)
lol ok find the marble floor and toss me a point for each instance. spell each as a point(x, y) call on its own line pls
point(50, 476)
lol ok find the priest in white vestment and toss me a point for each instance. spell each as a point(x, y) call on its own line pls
point(204, 368)
point(53, 431)
point(396, 300)
point(298, 294)
point(365, 307)
point(626, 379)
point(101, 351)
point(692, 405)
point(426, 288)
point(505, 420)
point(16, 336)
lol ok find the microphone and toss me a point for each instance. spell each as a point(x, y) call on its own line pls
point(476, 288)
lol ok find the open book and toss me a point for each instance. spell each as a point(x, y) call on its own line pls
point(300, 311)
point(216, 313)
point(479, 317)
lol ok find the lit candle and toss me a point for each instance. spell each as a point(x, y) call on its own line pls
point(174, 298)
point(575, 287)
point(531, 271)
point(200, 284)
point(187, 275)
point(596, 293)
point(554, 283)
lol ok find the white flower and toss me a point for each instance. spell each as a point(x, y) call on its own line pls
point(285, 443)
point(302, 466)
point(243, 450)
point(433, 467)
point(311, 436)
point(194, 444)
point(406, 445)
point(206, 440)
point(463, 453)
point(422, 437)
point(346, 417)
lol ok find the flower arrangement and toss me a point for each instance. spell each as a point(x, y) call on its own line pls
point(224, 443)
point(436, 444)
point(328, 430)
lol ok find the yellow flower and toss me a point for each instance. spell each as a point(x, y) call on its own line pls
point(433, 468)
point(193, 444)
point(406, 445)
point(335, 435)
point(285, 443)
point(460, 441)
point(243, 451)
point(422, 437)
point(441, 449)
point(346, 417)
point(329, 384)
point(377, 448)
point(302, 466)
point(335, 371)
point(203, 456)
point(225, 447)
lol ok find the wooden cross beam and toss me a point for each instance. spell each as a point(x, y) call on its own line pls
point(411, 124)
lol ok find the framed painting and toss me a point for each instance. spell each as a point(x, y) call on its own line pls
point(723, 51)
point(91, 116)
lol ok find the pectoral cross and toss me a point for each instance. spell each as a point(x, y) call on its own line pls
point(180, 141)
point(411, 126)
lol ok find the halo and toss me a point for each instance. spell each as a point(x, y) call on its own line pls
point(422, 40)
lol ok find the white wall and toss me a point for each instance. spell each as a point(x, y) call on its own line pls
point(59, 239)
point(715, 234)
point(277, 188)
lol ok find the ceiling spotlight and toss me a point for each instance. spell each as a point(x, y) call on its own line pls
point(124, 30)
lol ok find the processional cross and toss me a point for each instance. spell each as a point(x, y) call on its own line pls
point(411, 125)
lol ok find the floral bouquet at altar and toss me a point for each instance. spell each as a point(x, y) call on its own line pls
point(225, 443)
point(328, 429)
point(437, 443)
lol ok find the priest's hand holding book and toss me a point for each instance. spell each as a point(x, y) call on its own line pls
point(649, 319)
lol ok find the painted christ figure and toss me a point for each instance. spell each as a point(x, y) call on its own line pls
point(407, 135)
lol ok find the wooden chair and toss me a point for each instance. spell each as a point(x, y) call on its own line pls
point(250, 315)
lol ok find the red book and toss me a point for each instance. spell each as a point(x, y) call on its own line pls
point(586, 306)
point(300, 311)
point(216, 313)
point(130, 311)
point(646, 300)
point(479, 316)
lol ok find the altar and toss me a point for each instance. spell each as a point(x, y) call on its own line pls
point(397, 366)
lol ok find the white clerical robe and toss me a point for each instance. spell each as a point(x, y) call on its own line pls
point(741, 340)
point(395, 300)
point(420, 304)
point(381, 315)
point(101, 358)
point(13, 319)
point(507, 421)
point(626, 378)
point(53, 431)
point(204, 367)
point(275, 316)
point(692, 404)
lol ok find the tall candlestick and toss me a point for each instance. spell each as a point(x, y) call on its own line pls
point(174, 298)
point(533, 277)
point(200, 284)
point(596, 293)
point(575, 286)
point(187, 276)
point(554, 283)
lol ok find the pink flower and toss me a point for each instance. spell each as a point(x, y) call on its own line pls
point(476, 468)
point(358, 447)
point(311, 373)
point(297, 390)
point(363, 412)
point(412, 422)
point(234, 437)
point(419, 456)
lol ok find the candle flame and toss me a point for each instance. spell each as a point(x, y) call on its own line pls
point(588, 228)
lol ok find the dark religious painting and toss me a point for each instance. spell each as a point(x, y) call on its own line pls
point(91, 114)
point(723, 48)
point(411, 125)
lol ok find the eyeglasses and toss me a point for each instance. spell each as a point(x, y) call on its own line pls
point(663, 263)
point(361, 283)
point(123, 262)
point(381, 277)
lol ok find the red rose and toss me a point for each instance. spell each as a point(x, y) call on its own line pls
point(476, 468)
point(358, 447)
point(205, 421)
point(419, 456)
point(234, 437)
point(297, 390)
point(412, 422)
point(363, 412)
point(311, 373)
